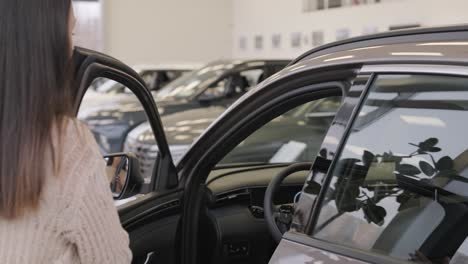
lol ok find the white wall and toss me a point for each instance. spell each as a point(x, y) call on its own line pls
point(167, 31)
point(88, 29)
point(268, 17)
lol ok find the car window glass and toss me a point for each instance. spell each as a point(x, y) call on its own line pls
point(106, 85)
point(234, 85)
point(294, 136)
point(191, 84)
point(400, 184)
point(111, 117)
point(157, 79)
point(149, 77)
point(217, 89)
point(171, 75)
point(253, 77)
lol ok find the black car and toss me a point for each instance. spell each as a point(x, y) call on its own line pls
point(217, 84)
point(387, 185)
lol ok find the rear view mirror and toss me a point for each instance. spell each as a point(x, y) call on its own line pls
point(124, 176)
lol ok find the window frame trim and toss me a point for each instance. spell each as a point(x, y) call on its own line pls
point(342, 143)
point(374, 71)
point(451, 70)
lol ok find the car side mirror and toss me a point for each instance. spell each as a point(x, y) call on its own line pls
point(123, 173)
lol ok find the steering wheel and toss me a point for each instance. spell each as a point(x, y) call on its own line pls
point(279, 218)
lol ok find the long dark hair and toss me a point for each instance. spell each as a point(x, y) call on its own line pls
point(35, 96)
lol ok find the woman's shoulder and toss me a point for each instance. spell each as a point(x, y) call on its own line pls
point(76, 130)
point(74, 134)
point(76, 158)
point(75, 146)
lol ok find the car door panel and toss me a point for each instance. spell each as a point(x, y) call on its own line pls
point(293, 252)
point(152, 223)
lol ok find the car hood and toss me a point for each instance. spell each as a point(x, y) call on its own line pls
point(95, 99)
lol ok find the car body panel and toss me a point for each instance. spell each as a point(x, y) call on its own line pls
point(453, 52)
point(293, 252)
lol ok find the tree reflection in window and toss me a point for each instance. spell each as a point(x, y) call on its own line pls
point(400, 185)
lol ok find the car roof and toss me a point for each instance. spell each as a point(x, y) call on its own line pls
point(246, 62)
point(444, 45)
point(433, 34)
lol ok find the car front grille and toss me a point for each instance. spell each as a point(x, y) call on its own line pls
point(147, 153)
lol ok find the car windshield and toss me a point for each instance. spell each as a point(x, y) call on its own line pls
point(191, 84)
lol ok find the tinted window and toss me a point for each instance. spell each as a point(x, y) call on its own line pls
point(111, 117)
point(400, 185)
point(292, 137)
point(191, 84)
point(235, 84)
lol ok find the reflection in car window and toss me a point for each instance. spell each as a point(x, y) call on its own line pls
point(400, 186)
point(292, 137)
point(190, 84)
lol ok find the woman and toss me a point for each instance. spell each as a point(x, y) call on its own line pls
point(55, 201)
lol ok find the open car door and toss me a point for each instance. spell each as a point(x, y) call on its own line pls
point(152, 217)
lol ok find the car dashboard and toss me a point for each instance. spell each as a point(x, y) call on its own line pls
point(232, 226)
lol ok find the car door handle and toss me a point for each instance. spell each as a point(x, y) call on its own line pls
point(150, 257)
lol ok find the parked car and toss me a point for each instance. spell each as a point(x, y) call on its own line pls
point(388, 183)
point(107, 91)
point(217, 84)
point(263, 147)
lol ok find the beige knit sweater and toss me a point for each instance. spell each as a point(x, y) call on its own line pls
point(77, 221)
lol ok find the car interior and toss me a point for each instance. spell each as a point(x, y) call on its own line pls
point(232, 224)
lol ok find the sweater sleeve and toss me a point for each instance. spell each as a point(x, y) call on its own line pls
point(95, 228)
